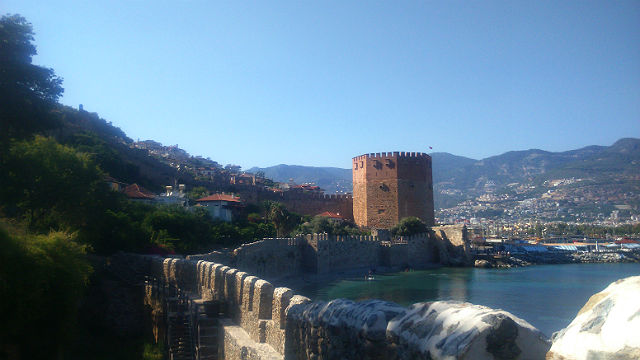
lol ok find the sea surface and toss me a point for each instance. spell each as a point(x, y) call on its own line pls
point(547, 296)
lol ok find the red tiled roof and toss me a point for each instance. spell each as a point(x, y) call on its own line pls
point(331, 215)
point(306, 187)
point(219, 197)
point(134, 191)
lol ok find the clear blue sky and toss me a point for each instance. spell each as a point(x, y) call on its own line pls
point(318, 82)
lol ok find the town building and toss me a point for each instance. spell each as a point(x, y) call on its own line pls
point(220, 206)
point(173, 196)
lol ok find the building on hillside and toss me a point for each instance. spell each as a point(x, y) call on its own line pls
point(220, 206)
point(332, 216)
point(242, 179)
point(388, 187)
point(114, 184)
point(307, 188)
point(173, 196)
point(138, 193)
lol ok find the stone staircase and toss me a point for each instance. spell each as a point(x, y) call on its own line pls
point(180, 339)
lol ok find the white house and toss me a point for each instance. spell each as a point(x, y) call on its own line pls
point(220, 205)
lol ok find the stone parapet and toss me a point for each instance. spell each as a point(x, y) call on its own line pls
point(274, 323)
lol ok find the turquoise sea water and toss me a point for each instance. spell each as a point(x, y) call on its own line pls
point(547, 296)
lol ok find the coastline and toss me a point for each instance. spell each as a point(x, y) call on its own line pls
point(529, 292)
point(532, 258)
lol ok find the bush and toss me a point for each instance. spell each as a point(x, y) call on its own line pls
point(42, 279)
point(409, 226)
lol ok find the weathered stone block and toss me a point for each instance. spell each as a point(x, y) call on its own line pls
point(237, 345)
point(166, 268)
point(281, 298)
point(247, 293)
point(217, 280)
point(230, 287)
point(207, 273)
point(200, 269)
point(240, 276)
point(263, 299)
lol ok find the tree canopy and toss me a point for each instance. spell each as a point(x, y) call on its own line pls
point(51, 185)
point(27, 91)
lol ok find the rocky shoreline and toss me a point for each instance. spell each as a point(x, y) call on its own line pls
point(527, 259)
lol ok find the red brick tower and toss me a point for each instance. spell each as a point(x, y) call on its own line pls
point(388, 187)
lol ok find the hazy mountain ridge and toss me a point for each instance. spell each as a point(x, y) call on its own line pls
point(457, 178)
point(331, 179)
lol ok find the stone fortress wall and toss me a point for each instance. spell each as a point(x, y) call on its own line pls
point(261, 321)
point(323, 254)
point(258, 320)
point(390, 186)
point(303, 203)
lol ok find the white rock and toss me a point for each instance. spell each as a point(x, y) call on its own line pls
point(607, 326)
point(456, 330)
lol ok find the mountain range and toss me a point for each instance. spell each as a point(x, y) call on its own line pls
point(458, 178)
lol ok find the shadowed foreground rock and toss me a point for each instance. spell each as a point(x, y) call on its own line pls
point(607, 327)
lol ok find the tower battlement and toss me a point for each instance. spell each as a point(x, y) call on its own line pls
point(397, 154)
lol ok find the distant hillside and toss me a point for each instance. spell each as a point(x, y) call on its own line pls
point(615, 168)
point(457, 178)
point(113, 150)
point(331, 179)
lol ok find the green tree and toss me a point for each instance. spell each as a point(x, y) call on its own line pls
point(197, 192)
point(28, 92)
point(179, 229)
point(105, 156)
point(52, 186)
point(409, 226)
point(280, 217)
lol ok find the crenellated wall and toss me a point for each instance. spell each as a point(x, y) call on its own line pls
point(343, 252)
point(262, 321)
point(270, 257)
point(305, 203)
point(322, 253)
